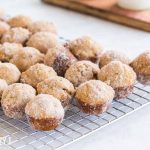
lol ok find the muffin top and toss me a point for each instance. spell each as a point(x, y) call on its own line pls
point(117, 74)
point(85, 48)
point(109, 56)
point(141, 64)
point(4, 27)
point(44, 106)
point(94, 92)
point(81, 71)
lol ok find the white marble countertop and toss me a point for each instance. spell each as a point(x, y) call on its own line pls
point(131, 132)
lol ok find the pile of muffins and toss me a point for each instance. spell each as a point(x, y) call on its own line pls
point(40, 76)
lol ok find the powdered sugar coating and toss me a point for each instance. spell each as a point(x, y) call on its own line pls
point(94, 92)
point(81, 71)
point(9, 72)
point(117, 74)
point(109, 56)
point(37, 73)
point(42, 41)
point(26, 57)
point(4, 27)
point(44, 106)
point(16, 35)
point(3, 86)
point(15, 98)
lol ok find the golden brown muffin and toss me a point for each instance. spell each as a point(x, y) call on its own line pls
point(37, 73)
point(44, 112)
point(141, 66)
point(3, 86)
point(4, 27)
point(94, 97)
point(16, 35)
point(9, 72)
point(81, 71)
point(42, 26)
point(85, 48)
point(15, 98)
point(20, 21)
point(109, 56)
point(8, 50)
point(60, 58)
point(26, 57)
point(59, 87)
point(42, 41)
point(119, 76)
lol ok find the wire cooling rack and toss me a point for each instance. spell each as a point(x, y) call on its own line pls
point(76, 125)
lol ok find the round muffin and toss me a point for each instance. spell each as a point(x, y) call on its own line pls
point(44, 112)
point(9, 72)
point(20, 21)
point(8, 50)
point(141, 66)
point(60, 58)
point(3, 86)
point(37, 73)
point(85, 48)
point(4, 27)
point(109, 56)
point(81, 71)
point(42, 26)
point(94, 97)
point(119, 76)
point(15, 98)
point(42, 41)
point(27, 57)
point(16, 35)
point(59, 87)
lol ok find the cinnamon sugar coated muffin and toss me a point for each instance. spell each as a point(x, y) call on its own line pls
point(20, 21)
point(109, 56)
point(44, 112)
point(4, 27)
point(8, 50)
point(59, 87)
point(16, 35)
point(85, 48)
point(119, 76)
point(60, 58)
point(26, 57)
point(141, 66)
point(3, 86)
point(94, 97)
point(15, 98)
point(81, 71)
point(36, 74)
point(42, 26)
point(42, 41)
point(9, 72)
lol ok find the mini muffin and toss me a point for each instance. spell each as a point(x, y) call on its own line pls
point(8, 50)
point(27, 57)
point(44, 112)
point(16, 35)
point(60, 58)
point(9, 72)
point(94, 97)
point(59, 87)
point(119, 76)
point(20, 21)
point(85, 48)
point(109, 56)
point(81, 71)
point(42, 26)
point(141, 66)
point(42, 41)
point(37, 73)
point(15, 98)
point(3, 86)
point(4, 27)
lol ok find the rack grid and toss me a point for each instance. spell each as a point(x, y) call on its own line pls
point(75, 126)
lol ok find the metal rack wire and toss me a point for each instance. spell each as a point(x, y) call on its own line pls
point(75, 126)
